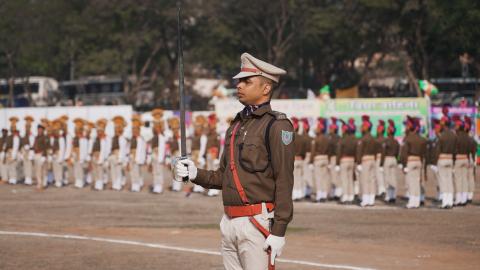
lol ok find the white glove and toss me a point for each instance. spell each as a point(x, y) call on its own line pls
point(337, 168)
point(359, 168)
point(216, 162)
point(400, 166)
point(183, 168)
point(380, 169)
point(275, 243)
point(434, 168)
point(406, 170)
point(310, 166)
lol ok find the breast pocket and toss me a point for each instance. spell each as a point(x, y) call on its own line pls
point(253, 155)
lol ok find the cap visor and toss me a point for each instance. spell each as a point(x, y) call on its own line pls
point(244, 74)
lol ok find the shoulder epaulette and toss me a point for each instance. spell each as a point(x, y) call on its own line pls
point(278, 115)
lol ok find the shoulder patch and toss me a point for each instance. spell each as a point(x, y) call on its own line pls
point(287, 137)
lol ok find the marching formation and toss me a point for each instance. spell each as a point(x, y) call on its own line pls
point(328, 166)
point(50, 154)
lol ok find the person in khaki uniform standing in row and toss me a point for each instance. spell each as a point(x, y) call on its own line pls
point(444, 160)
point(366, 153)
point(118, 153)
point(390, 153)
point(320, 150)
point(100, 153)
point(307, 177)
point(57, 148)
point(199, 146)
point(158, 148)
point(12, 151)
point(27, 150)
point(138, 155)
point(213, 149)
point(300, 151)
point(40, 148)
point(412, 157)
point(345, 162)
point(333, 140)
point(379, 170)
point(3, 166)
point(255, 174)
point(461, 163)
point(79, 151)
point(472, 160)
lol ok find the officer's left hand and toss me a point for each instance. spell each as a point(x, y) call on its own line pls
point(381, 169)
point(275, 243)
point(310, 166)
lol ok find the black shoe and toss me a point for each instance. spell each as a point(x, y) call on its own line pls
point(422, 203)
point(392, 201)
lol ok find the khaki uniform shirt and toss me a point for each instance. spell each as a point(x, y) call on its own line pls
point(413, 145)
point(391, 148)
point(347, 147)
point(263, 181)
point(367, 146)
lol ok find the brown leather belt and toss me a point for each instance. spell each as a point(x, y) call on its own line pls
point(347, 158)
point(369, 157)
point(413, 158)
point(461, 156)
point(321, 157)
point(247, 210)
point(445, 156)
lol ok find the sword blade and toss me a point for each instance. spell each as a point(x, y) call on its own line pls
point(181, 84)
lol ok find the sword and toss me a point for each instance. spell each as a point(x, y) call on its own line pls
point(183, 137)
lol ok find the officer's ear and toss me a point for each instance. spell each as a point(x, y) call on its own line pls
point(267, 86)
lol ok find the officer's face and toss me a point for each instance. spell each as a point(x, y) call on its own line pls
point(253, 90)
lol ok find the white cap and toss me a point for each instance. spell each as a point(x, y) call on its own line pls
point(252, 66)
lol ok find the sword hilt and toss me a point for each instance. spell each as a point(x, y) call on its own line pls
point(184, 179)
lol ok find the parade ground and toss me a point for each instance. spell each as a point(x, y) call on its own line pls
point(70, 228)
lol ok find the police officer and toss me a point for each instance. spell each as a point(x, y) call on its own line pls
point(199, 146)
point(320, 150)
point(388, 162)
point(118, 153)
point(138, 155)
point(300, 152)
point(366, 154)
point(40, 148)
point(79, 152)
point(461, 162)
point(446, 149)
point(255, 174)
point(100, 153)
point(412, 157)
point(57, 146)
point(213, 148)
point(3, 165)
point(345, 162)
point(307, 177)
point(333, 140)
point(379, 170)
point(472, 160)
point(27, 153)
point(174, 147)
point(12, 151)
point(158, 146)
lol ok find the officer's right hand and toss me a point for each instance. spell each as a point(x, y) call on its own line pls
point(434, 168)
point(185, 167)
point(337, 168)
point(359, 168)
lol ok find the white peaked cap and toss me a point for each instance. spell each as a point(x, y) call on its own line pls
point(252, 66)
